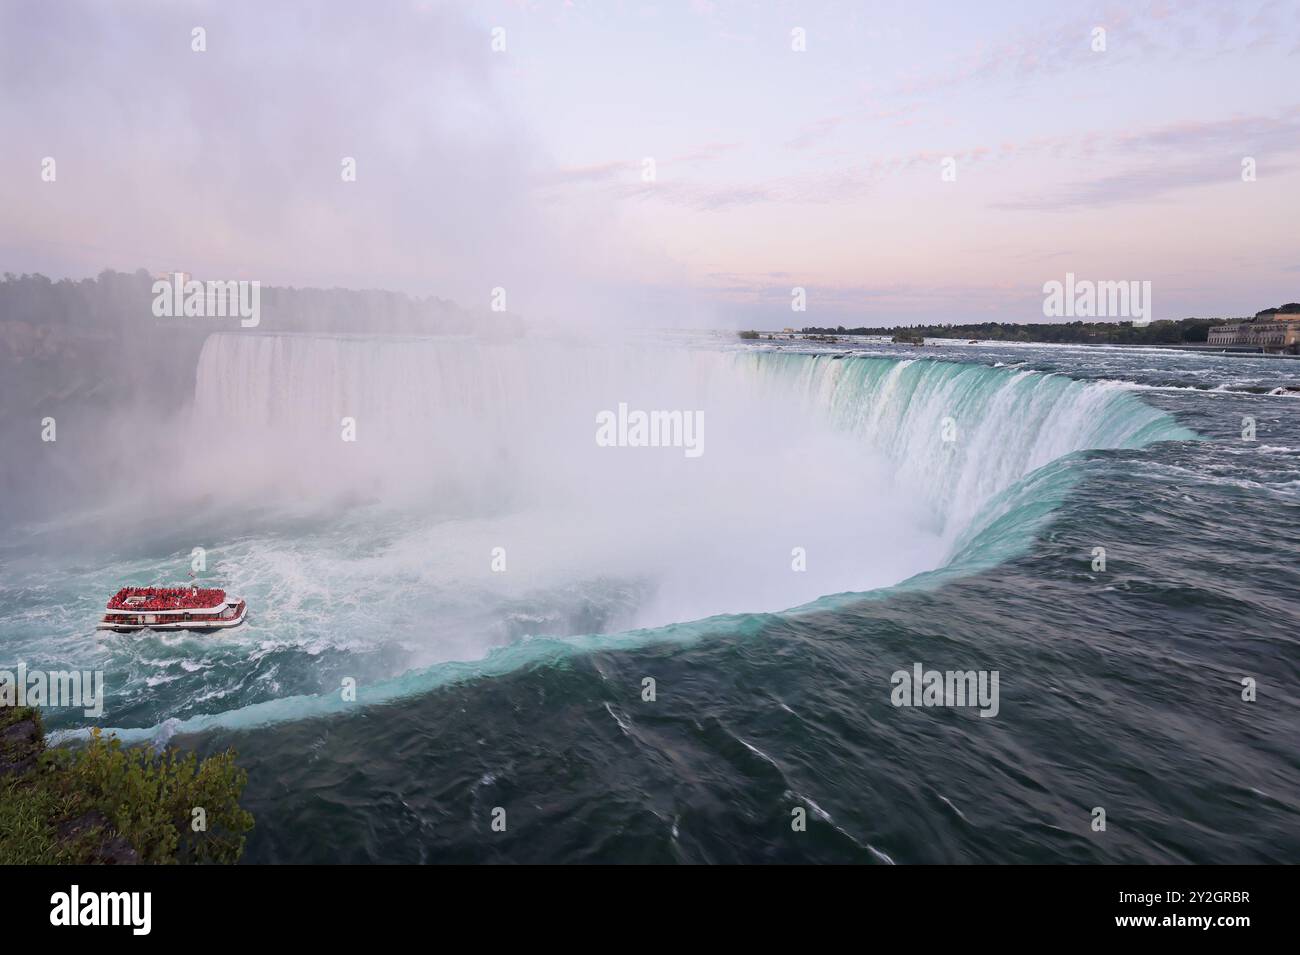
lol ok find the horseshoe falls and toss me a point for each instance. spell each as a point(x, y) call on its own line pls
point(675, 648)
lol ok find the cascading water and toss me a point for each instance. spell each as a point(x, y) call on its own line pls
point(372, 561)
point(962, 434)
point(475, 518)
point(517, 420)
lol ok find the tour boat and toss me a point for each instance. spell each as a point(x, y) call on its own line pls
point(172, 608)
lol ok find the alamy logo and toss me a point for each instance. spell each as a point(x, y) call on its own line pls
point(922, 687)
point(651, 429)
point(176, 298)
point(103, 908)
point(1084, 298)
point(80, 688)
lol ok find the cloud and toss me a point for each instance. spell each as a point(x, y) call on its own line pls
point(815, 132)
point(593, 172)
point(227, 162)
point(1216, 149)
point(1137, 33)
point(823, 129)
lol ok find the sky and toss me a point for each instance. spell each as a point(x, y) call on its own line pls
point(665, 164)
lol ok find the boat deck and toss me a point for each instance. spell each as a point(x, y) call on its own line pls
point(172, 608)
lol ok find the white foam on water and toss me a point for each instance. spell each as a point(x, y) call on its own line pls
point(465, 446)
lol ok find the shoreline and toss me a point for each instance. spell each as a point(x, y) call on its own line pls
point(844, 338)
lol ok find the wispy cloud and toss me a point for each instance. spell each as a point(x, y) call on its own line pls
point(1137, 33)
point(1216, 149)
point(820, 130)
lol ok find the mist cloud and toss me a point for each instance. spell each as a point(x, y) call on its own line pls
point(227, 162)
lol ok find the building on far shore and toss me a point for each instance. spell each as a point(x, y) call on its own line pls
point(1272, 330)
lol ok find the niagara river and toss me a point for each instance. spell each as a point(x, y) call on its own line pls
point(651, 656)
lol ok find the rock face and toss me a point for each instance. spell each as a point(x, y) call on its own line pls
point(111, 849)
point(20, 744)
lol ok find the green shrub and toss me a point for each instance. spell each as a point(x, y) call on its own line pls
point(150, 797)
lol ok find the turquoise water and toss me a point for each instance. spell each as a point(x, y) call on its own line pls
point(950, 508)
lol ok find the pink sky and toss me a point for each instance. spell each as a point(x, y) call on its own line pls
point(774, 167)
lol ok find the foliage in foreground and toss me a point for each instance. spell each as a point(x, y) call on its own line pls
point(152, 800)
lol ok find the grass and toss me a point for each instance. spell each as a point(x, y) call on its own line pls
point(167, 806)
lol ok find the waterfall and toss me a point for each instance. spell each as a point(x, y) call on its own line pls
point(821, 478)
point(480, 424)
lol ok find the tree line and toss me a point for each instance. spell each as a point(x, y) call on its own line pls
point(1164, 332)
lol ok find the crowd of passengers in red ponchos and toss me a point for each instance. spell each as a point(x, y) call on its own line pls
point(166, 598)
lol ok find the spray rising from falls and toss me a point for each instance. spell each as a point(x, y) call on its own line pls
point(964, 435)
point(507, 422)
point(475, 524)
point(872, 469)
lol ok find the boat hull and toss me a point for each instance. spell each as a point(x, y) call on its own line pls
point(199, 626)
